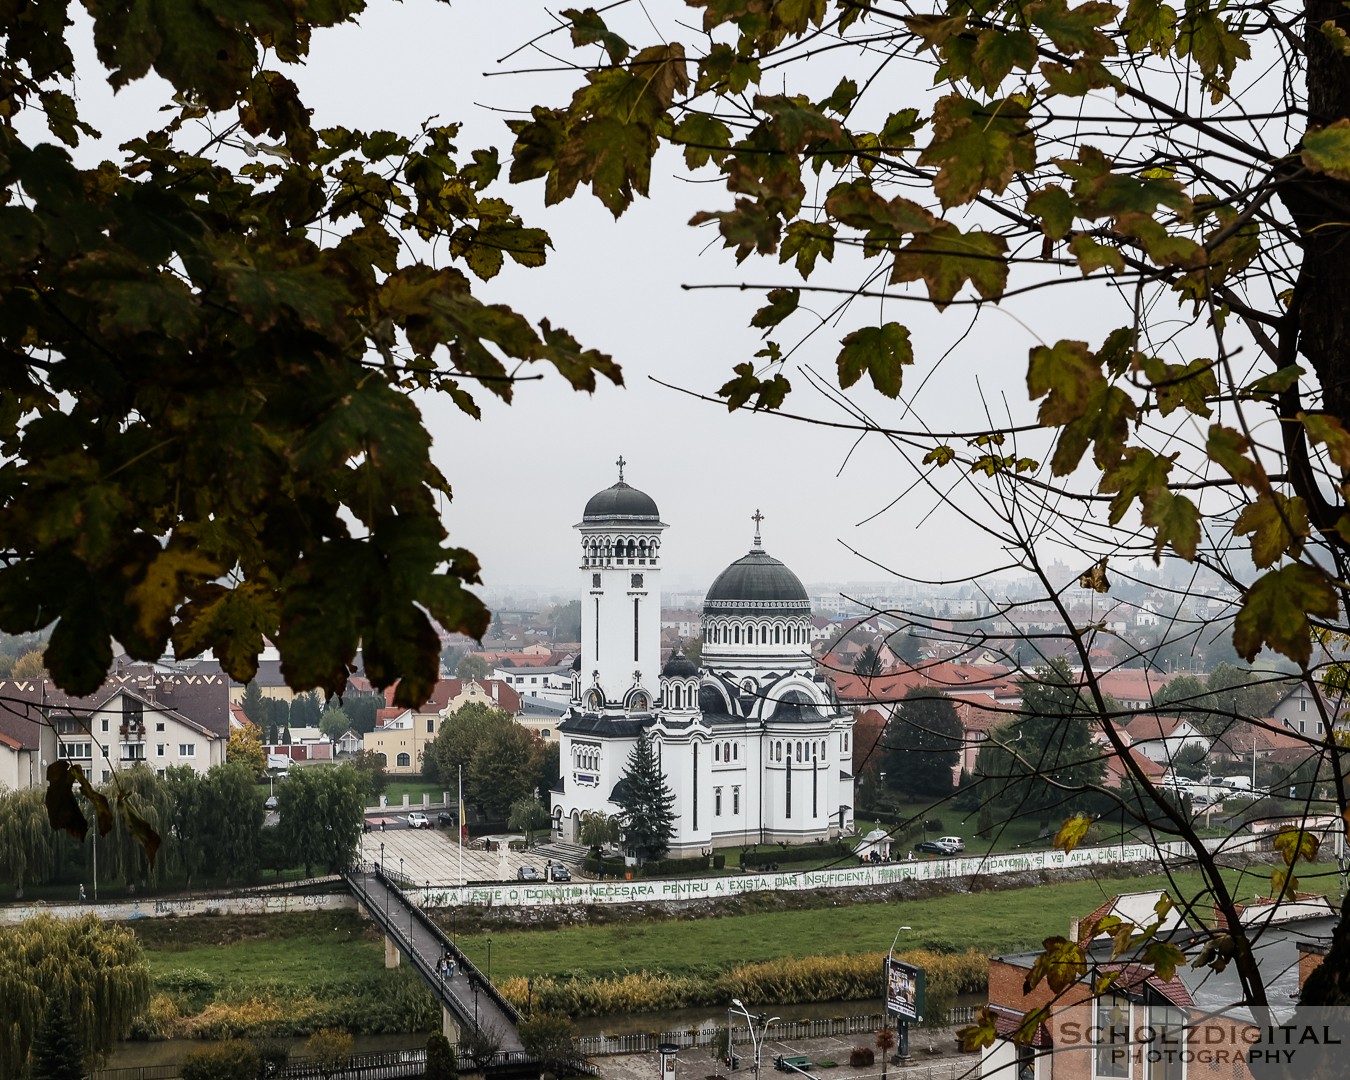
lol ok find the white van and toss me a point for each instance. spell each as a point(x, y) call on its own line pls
point(953, 842)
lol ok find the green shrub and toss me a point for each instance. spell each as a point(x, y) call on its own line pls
point(232, 1060)
point(441, 1061)
point(795, 853)
point(329, 1049)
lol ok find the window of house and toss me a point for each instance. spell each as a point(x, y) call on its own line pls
point(132, 710)
point(159, 750)
point(133, 751)
point(187, 749)
point(595, 581)
point(717, 802)
point(735, 800)
point(736, 751)
point(1302, 727)
point(403, 761)
point(105, 725)
point(106, 776)
point(431, 725)
point(1112, 1058)
point(1303, 705)
point(1166, 1051)
point(74, 750)
point(159, 726)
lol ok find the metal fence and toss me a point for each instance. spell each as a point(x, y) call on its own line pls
point(646, 1042)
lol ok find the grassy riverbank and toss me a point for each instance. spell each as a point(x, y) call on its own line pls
point(287, 974)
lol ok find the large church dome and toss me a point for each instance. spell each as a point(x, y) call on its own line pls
point(756, 583)
point(621, 503)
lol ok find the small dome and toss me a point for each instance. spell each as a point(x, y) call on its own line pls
point(756, 583)
point(623, 503)
point(679, 666)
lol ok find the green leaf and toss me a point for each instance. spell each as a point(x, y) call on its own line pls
point(946, 258)
point(1339, 39)
point(1137, 472)
point(1277, 526)
point(1210, 37)
point(1164, 957)
point(1176, 521)
point(769, 393)
point(997, 52)
point(704, 138)
point(782, 303)
point(1074, 31)
point(1093, 256)
point(939, 455)
point(1073, 830)
point(588, 28)
point(881, 351)
point(897, 133)
point(979, 1034)
point(1056, 209)
point(1275, 611)
point(1229, 448)
point(1327, 150)
point(1151, 24)
point(977, 147)
point(1327, 430)
point(807, 240)
point(1061, 964)
point(1066, 374)
point(1176, 385)
point(1294, 843)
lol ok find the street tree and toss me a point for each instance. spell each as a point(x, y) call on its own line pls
point(868, 662)
point(28, 847)
point(646, 803)
point(320, 812)
point(598, 830)
point(96, 970)
point(56, 1053)
point(501, 771)
point(528, 814)
point(245, 747)
point(472, 666)
point(191, 820)
point(235, 822)
point(1182, 172)
point(334, 722)
point(252, 702)
point(457, 741)
point(923, 743)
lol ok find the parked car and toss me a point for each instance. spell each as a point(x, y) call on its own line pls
point(934, 847)
point(560, 872)
point(446, 818)
point(953, 842)
point(418, 820)
point(271, 803)
point(529, 873)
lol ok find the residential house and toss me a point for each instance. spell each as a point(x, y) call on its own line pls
point(138, 714)
point(1161, 737)
point(1143, 1026)
point(401, 735)
point(1303, 708)
point(1133, 688)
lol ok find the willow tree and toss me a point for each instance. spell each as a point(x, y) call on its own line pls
point(28, 847)
point(94, 969)
point(1179, 172)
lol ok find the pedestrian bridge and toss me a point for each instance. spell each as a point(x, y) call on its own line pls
point(469, 1002)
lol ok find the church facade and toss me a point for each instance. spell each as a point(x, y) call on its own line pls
point(752, 743)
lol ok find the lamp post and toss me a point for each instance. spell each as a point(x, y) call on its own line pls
point(901, 1026)
point(489, 959)
point(473, 985)
point(386, 883)
point(756, 1038)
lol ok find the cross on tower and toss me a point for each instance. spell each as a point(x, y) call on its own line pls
point(757, 517)
point(621, 463)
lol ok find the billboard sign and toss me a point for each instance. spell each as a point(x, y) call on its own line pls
point(904, 989)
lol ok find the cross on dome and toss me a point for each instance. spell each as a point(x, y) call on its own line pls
point(621, 463)
point(757, 517)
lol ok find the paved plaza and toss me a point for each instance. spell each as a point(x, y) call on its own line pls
point(432, 856)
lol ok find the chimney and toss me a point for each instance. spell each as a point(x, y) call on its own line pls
point(494, 689)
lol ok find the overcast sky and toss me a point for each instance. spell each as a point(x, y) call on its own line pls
point(523, 474)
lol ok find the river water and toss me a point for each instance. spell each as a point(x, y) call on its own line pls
point(172, 1051)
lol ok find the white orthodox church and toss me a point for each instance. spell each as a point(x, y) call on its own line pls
point(753, 744)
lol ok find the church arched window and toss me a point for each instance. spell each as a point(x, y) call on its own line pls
point(749, 635)
point(736, 751)
point(717, 753)
point(776, 638)
point(737, 635)
point(675, 695)
point(632, 549)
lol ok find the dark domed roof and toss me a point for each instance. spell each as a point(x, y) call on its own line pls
point(756, 583)
point(622, 502)
point(679, 666)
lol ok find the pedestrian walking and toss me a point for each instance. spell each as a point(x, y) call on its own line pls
point(81, 892)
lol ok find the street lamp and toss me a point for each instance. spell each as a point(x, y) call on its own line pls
point(473, 985)
point(489, 959)
point(756, 1038)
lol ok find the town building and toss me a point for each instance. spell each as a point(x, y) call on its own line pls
point(753, 743)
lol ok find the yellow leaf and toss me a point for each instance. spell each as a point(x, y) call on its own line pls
point(1072, 831)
